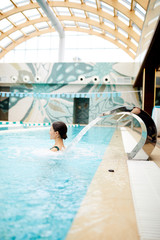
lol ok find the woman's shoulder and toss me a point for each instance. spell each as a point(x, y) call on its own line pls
point(55, 149)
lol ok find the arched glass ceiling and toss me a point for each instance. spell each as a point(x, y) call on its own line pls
point(118, 21)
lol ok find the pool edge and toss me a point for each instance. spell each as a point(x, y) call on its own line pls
point(107, 210)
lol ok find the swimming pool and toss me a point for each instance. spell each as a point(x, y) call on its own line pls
point(41, 191)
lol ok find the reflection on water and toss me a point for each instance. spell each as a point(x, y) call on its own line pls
point(41, 191)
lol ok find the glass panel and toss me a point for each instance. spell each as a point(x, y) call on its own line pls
point(44, 43)
point(83, 25)
point(32, 14)
point(139, 11)
point(31, 55)
point(28, 29)
point(53, 55)
point(17, 18)
point(5, 25)
point(62, 11)
point(107, 8)
point(125, 3)
point(5, 42)
point(93, 16)
point(96, 29)
point(134, 42)
point(132, 51)
point(21, 46)
point(16, 35)
point(75, 1)
point(110, 36)
point(6, 5)
point(123, 32)
point(123, 18)
point(69, 24)
point(41, 25)
point(136, 29)
point(9, 57)
point(91, 3)
point(32, 43)
point(43, 55)
point(21, 2)
point(78, 13)
point(20, 55)
point(42, 12)
point(108, 23)
point(86, 48)
point(122, 43)
point(55, 41)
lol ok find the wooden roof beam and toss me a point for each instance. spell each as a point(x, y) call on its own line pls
point(75, 19)
point(85, 9)
point(86, 14)
point(98, 4)
point(91, 32)
point(19, 27)
point(101, 26)
point(124, 10)
point(104, 37)
point(115, 15)
point(70, 11)
point(19, 9)
point(25, 38)
point(143, 3)
point(115, 4)
point(100, 20)
point(132, 5)
point(13, 3)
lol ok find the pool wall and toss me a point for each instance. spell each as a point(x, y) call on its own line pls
point(48, 91)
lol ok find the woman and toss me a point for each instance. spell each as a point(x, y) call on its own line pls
point(58, 132)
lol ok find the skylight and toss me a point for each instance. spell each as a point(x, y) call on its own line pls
point(122, 43)
point(107, 8)
point(109, 23)
point(126, 3)
point(93, 16)
point(32, 14)
point(123, 32)
point(63, 11)
point(17, 18)
point(21, 17)
point(41, 25)
point(20, 3)
point(5, 42)
point(83, 25)
point(123, 18)
point(91, 3)
point(78, 13)
point(6, 5)
point(16, 35)
point(5, 25)
point(28, 29)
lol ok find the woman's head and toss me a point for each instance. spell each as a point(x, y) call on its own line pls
point(61, 128)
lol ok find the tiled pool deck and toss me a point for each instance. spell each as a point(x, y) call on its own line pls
point(121, 204)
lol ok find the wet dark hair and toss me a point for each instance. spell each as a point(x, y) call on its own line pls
point(61, 128)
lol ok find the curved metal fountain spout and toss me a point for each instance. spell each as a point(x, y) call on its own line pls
point(122, 116)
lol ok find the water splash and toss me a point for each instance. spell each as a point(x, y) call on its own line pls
point(109, 114)
point(82, 132)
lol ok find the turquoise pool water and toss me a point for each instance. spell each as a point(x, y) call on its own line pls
point(41, 191)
